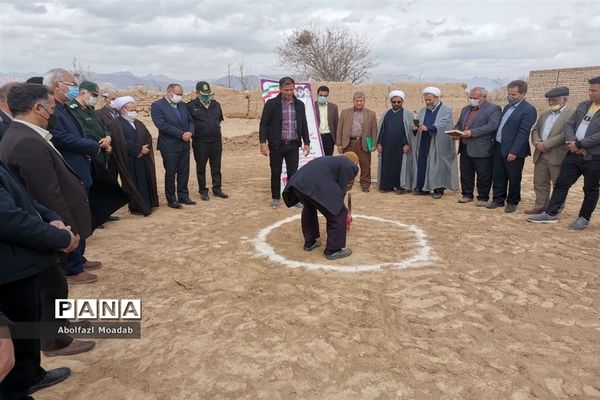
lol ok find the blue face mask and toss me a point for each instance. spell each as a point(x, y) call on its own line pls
point(205, 98)
point(322, 100)
point(72, 93)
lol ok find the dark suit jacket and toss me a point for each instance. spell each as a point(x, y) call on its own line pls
point(332, 117)
point(591, 140)
point(171, 126)
point(27, 241)
point(516, 130)
point(106, 114)
point(46, 176)
point(271, 122)
point(5, 123)
point(325, 180)
point(5, 321)
point(483, 129)
point(69, 138)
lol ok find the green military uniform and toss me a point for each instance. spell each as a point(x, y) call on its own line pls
point(92, 125)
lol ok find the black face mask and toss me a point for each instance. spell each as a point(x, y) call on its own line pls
point(52, 122)
point(51, 119)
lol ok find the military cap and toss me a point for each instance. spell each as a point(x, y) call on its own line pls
point(557, 92)
point(90, 87)
point(203, 87)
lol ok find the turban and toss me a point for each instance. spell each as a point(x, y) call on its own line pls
point(120, 102)
point(432, 90)
point(350, 155)
point(396, 93)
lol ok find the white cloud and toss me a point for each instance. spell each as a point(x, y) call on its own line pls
point(191, 38)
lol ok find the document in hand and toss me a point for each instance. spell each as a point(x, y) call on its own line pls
point(455, 133)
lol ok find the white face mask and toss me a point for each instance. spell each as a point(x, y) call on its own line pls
point(473, 102)
point(130, 115)
point(176, 98)
point(91, 101)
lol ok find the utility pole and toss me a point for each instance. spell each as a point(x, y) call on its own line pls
point(229, 75)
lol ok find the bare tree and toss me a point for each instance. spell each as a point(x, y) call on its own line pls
point(80, 72)
point(334, 54)
point(244, 81)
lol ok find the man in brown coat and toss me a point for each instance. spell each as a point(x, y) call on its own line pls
point(548, 138)
point(27, 151)
point(357, 132)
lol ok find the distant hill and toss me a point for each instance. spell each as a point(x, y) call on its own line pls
point(126, 79)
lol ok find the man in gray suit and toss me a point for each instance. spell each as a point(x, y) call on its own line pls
point(582, 135)
point(548, 138)
point(479, 121)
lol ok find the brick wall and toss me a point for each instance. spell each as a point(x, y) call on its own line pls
point(576, 79)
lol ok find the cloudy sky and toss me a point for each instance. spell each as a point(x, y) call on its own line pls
point(198, 39)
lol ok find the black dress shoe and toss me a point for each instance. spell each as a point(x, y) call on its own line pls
point(51, 378)
point(204, 197)
point(493, 205)
point(113, 218)
point(510, 208)
point(220, 193)
point(188, 202)
point(175, 205)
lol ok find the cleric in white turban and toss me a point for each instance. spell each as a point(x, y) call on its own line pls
point(395, 168)
point(432, 90)
point(434, 162)
point(120, 102)
point(133, 153)
point(396, 93)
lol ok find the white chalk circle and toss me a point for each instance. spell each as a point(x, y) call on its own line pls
point(423, 253)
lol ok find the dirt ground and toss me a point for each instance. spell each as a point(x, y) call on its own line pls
point(508, 310)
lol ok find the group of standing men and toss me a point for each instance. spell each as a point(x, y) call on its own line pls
point(60, 164)
point(417, 156)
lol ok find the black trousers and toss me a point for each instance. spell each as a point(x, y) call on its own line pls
point(210, 152)
point(328, 143)
point(336, 224)
point(20, 301)
point(572, 167)
point(177, 167)
point(53, 285)
point(471, 166)
point(507, 175)
point(288, 152)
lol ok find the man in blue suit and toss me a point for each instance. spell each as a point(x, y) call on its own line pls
point(512, 146)
point(175, 126)
point(77, 150)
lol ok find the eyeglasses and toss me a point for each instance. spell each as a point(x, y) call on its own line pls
point(70, 84)
point(396, 102)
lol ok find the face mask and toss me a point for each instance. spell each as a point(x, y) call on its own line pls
point(176, 98)
point(512, 100)
point(205, 98)
point(555, 107)
point(91, 101)
point(130, 115)
point(474, 102)
point(50, 121)
point(72, 93)
point(322, 100)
